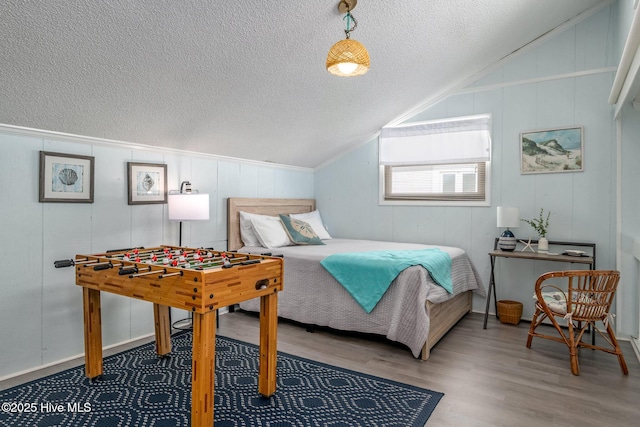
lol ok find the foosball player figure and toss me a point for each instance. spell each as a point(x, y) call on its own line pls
point(225, 261)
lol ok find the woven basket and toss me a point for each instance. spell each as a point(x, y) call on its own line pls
point(509, 311)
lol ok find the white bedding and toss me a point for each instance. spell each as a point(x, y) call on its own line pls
point(312, 296)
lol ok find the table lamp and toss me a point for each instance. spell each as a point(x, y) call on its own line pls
point(508, 218)
point(187, 205)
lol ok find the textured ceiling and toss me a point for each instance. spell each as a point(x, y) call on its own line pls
point(247, 79)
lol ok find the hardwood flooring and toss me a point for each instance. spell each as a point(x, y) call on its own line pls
point(489, 377)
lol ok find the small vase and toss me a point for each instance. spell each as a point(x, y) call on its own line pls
point(543, 245)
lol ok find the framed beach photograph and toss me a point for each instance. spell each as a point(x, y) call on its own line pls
point(147, 183)
point(552, 150)
point(66, 178)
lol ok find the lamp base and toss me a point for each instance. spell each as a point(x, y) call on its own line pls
point(507, 241)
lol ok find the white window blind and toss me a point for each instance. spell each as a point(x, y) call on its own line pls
point(439, 161)
point(457, 140)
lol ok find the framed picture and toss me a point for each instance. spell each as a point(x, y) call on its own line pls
point(147, 183)
point(552, 150)
point(66, 178)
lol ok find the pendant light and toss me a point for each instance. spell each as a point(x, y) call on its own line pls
point(348, 57)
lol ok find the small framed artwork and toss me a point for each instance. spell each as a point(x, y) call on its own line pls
point(147, 183)
point(552, 150)
point(66, 178)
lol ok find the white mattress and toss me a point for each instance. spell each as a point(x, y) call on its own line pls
point(312, 296)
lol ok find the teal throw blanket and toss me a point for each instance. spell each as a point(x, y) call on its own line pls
point(368, 275)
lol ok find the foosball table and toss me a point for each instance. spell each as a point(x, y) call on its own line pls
point(197, 280)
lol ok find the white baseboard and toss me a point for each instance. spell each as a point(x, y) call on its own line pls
point(78, 357)
point(635, 344)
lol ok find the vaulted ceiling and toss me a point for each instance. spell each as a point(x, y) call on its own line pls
point(247, 79)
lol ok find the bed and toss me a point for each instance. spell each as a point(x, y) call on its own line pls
point(414, 311)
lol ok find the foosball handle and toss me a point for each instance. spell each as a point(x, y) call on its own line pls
point(127, 271)
point(64, 263)
point(103, 267)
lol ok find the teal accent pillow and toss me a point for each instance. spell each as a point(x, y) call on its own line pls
point(300, 232)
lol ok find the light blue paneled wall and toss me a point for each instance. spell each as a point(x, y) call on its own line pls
point(629, 198)
point(630, 214)
point(40, 306)
point(563, 81)
point(22, 294)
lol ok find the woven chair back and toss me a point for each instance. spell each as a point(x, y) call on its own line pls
point(589, 296)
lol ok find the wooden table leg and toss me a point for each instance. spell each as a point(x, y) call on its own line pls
point(268, 344)
point(163, 329)
point(92, 333)
point(203, 369)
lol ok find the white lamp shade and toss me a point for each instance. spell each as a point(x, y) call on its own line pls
point(188, 207)
point(508, 217)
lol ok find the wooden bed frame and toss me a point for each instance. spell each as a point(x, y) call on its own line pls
point(442, 316)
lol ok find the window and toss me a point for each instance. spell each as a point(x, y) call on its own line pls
point(437, 162)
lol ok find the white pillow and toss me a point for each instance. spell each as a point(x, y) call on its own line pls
point(270, 231)
point(246, 230)
point(315, 221)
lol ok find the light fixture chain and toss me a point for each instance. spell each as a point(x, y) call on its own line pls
point(350, 19)
point(348, 57)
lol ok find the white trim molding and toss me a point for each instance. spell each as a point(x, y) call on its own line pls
point(39, 133)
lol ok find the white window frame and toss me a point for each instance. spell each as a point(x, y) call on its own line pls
point(423, 202)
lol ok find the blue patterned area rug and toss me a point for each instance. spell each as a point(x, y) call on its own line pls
point(140, 389)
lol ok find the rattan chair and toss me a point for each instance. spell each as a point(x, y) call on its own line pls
point(583, 303)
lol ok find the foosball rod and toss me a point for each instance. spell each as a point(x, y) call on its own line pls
point(194, 263)
point(238, 261)
point(134, 271)
point(146, 252)
point(71, 262)
point(220, 262)
point(97, 263)
point(177, 273)
point(141, 255)
point(159, 253)
point(187, 263)
point(124, 250)
point(210, 261)
point(148, 272)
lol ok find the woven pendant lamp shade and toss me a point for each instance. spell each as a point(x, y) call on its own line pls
point(348, 51)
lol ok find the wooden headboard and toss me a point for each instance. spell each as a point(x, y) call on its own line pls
point(271, 207)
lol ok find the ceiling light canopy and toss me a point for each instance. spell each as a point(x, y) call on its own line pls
point(348, 57)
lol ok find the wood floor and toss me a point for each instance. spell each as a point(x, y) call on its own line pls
point(489, 377)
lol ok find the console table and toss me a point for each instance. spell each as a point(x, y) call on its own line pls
point(589, 260)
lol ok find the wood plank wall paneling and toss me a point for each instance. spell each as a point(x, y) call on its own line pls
point(51, 330)
point(564, 81)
